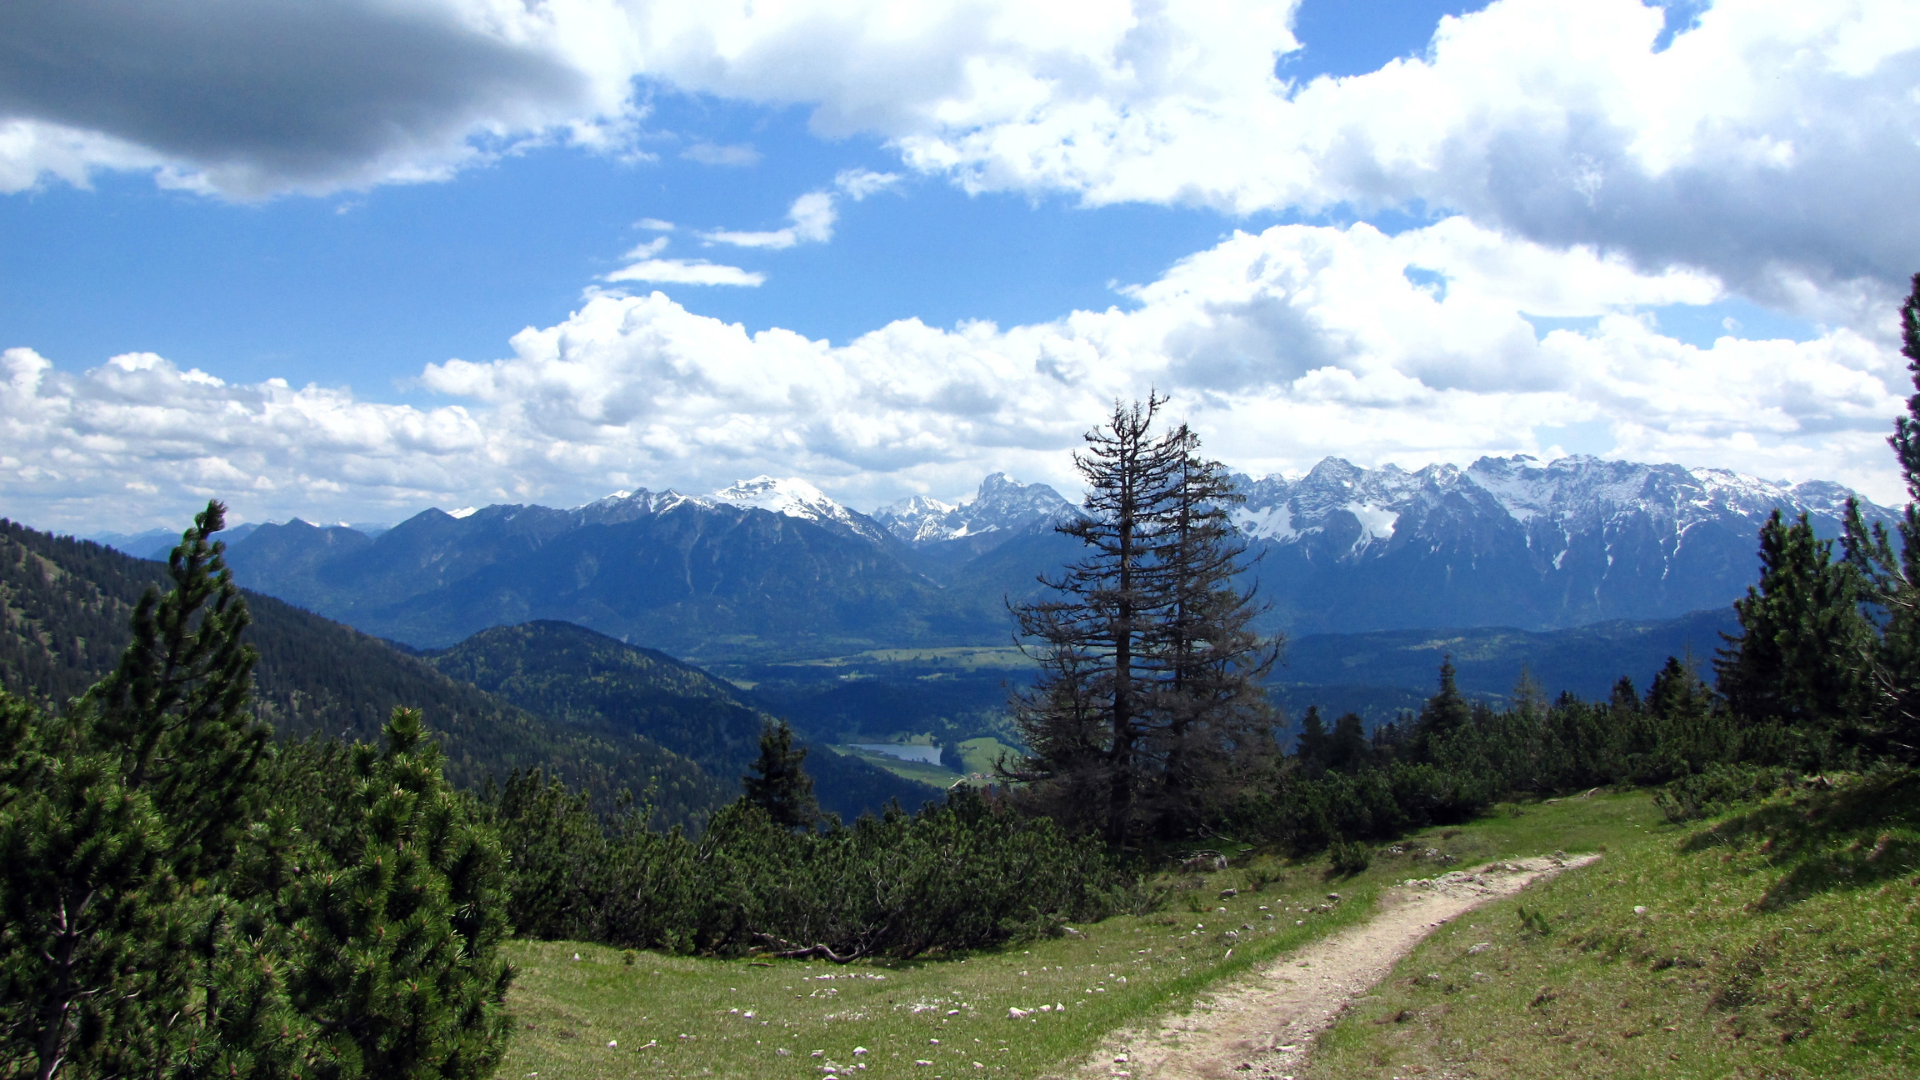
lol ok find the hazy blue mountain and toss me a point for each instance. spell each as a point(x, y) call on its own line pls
point(698, 577)
point(775, 568)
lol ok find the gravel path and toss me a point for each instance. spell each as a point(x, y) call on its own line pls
point(1262, 1024)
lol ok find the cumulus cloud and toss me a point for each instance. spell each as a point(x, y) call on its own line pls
point(1774, 143)
point(1770, 144)
point(1281, 347)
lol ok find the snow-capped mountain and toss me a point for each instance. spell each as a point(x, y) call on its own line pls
point(777, 566)
point(791, 497)
point(1553, 502)
point(1003, 505)
point(1514, 541)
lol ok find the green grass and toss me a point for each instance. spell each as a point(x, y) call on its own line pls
point(935, 776)
point(1778, 942)
point(567, 1011)
point(977, 754)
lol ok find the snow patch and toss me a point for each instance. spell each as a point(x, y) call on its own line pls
point(1376, 522)
point(1266, 523)
point(463, 512)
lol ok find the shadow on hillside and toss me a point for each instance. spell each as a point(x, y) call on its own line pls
point(1851, 836)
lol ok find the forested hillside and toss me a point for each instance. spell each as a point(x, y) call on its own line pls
point(65, 621)
point(571, 673)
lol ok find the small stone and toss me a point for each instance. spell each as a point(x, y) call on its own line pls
point(1015, 1013)
point(1639, 909)
point(576, 956)
point(859, 1050)
point(816, 1053)
point(923, 1062)
point(1333, 896)
point(613, 1044)
point(1228, 894)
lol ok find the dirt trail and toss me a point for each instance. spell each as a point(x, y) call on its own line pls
point(1262, 1024)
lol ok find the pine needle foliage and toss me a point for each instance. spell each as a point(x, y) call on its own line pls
point(178, 900)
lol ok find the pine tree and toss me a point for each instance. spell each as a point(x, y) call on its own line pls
point(1891, 578)
point(1800, 658)
point(176, 707)
point(1149, 705)
point(118, 839)
point(1209, 718)
point(390, 918)
point(92, 932)
point(1444, 715)
point(1347, 747)
point(1095, 637)
point(779, 784)
point(1311, 748)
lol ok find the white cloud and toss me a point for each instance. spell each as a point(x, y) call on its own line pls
point(654, 225)
point(857, 184)
point(686, 272)
point(1773, 144)
point(1281, 347)
point(812, 214)
point(707, 153)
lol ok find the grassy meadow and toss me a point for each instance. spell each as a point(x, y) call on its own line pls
point(1779, 941)
point(692, 1016)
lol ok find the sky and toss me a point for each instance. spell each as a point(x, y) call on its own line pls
point(350, 260)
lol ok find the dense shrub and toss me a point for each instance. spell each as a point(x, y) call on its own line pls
point(1720, 788)
point(965, 874)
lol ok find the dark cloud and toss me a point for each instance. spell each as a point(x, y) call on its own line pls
point(273, 93)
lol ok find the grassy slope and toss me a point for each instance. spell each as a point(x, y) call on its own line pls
point(566, 1012)
point(1779, 942)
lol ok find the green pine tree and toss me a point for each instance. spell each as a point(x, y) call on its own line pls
point(393, 917)
point(1890, 572)
point(93, 936)
point(176, 707)
point(779, 783)
point(1800, 660)
point(1444, 715)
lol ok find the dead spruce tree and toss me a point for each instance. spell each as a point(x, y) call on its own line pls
point(1149, 705)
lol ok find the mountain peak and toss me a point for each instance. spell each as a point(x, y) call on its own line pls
point(1002, 505)
point(795, 498)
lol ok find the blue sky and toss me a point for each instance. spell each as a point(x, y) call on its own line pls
point(384, 271)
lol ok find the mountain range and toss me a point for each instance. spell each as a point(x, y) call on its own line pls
point(770, 567)
point(601, 714)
